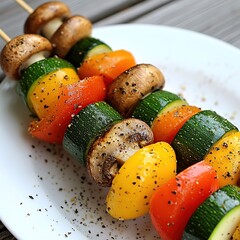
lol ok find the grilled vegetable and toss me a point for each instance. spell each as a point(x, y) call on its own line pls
point(173, 203)
point(224, 156)
point(86, 126)
point(114, 147)
point(109, 65)
point(21, 52)
point(85, 48)
point(54, 22)
point(166, 125)
point(198, 135)
point(47, 18)
point(73, 98)
point(156, 103)
point(72, 30)
point(41, 83)
point(132, 85)
point(221, 214)
point(138, 179)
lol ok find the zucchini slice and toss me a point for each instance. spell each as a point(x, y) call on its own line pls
point(38, 70)
point(197, 136)
point(217, 217)
point(86, 126)
point(154, 104)
point(86, 47)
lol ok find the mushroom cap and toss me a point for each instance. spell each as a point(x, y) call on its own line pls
point(109, 151)
point(19, 50)
point(132, 85)
point(45, 13)
point(69, 33)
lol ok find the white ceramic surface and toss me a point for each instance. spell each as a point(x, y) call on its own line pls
point(44, 194)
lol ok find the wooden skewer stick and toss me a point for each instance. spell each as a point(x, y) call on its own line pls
point(25, 6)
point(4, 36)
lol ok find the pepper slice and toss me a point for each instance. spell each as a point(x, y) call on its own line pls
point(73, 98)
point(224, 157)
point(138, 178)
point(44, 92)
point(166, 125)
point(108, 64)
point(174, 202)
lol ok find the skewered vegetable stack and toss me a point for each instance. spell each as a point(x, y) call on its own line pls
point(112, 128)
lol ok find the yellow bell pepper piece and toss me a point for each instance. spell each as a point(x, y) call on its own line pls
point(236, 234)
point(224, 157)
point(138, 178)
point(45, 92)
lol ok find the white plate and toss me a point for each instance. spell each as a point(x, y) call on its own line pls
point(44, 194)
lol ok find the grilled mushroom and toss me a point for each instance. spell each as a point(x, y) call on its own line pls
point(69, 33)
point(132, 85)
point(47, 18)
point(21, 52)
point(113, 148)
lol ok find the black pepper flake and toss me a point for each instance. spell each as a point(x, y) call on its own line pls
point(225, 145)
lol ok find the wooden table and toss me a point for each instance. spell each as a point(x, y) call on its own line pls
point(217, 18)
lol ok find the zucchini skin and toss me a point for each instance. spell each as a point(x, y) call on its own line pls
point(197, 136)
point(86, 126)
point(38, 70)
point(80, 50)
point(149, 107)
point(209, 214)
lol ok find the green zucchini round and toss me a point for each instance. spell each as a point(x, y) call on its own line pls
point(86, 126)
point(154, 104)
point(38, 70)
point(198, 135)
point(217, 217)
point(85, 48)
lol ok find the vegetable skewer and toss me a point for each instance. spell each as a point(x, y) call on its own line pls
point(53, 21)
point(180, 129)
point(26, 58)
point(29, 49)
